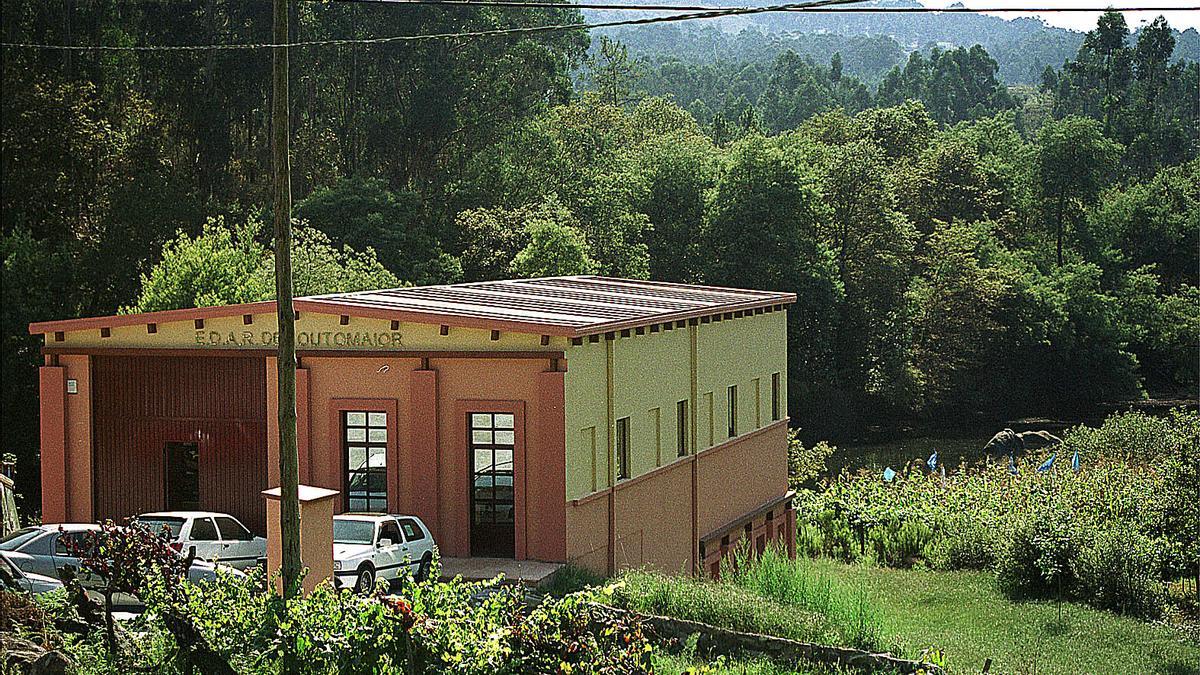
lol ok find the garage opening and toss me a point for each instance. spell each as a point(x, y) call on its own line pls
point(174, 431)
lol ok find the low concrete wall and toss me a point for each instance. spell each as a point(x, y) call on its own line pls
point(714, 640)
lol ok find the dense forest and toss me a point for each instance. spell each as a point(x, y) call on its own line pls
point(870, 43)
point(956, 250)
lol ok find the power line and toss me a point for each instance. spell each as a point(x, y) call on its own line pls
point(535, 4)
point(702, 12)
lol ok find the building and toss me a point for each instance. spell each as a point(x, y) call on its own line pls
point(608, 422)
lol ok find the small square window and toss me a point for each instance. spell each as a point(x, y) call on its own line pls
point(377, 419)
point(504, 421)
point(356, 419)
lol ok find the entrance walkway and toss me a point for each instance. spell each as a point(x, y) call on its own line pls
point(531, 573)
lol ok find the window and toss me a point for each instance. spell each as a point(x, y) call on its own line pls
point(681, 428)
point(493, 442)
point(390, 531)
point(589, 444)
point(774, 397)
point(710, 410)
point(757, 402)
point(203, 530)
point(623, 448)
point(70, 544)
point(733, 407)
point(169, 528)
point(656, 420)
point(412, 531)
point(347, 531)
point(365, 435)
point(232, 530)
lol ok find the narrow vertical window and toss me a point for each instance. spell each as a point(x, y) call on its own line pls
point(656, 420)
point(623, 448)
point(365, 436)
point(681, 428)
point(710, 409)
point(757, 402)
point(733, 406)
point(775, 397)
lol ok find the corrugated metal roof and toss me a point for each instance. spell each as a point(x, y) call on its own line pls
point(573, 306)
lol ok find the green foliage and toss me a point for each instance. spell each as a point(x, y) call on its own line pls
point(955, 84)
point(429, 627)
point(771, 595)
point(806, 463)
point(795, 582)
point(1044, 534)
point(228, 264)
point(363, 213)
point(556, 245)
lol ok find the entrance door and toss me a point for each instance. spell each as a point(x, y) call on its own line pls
point(493, 529)
point(182, 476)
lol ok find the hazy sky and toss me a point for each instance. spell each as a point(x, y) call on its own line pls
point(1179, 19)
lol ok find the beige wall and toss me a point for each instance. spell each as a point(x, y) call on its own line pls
point(325, 330)
point(650, 374)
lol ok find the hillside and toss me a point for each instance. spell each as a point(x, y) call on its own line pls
point(870, 44)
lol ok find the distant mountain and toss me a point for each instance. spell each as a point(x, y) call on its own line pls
point(870, 44)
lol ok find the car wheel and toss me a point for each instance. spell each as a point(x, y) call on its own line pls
point(366, 580)
point(423, 568)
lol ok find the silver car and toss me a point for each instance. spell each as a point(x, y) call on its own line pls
point(12, 578)
point(48, 549)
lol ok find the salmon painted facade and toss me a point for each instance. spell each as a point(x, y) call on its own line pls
point(607, 422)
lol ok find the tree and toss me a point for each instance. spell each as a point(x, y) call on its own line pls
point(613, 74)
point(1074, 162)
point(956, 308)
point(363, 213)
point(556, 246)
point(227, 265)
point(761, 231)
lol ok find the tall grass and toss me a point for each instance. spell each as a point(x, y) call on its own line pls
point(799, 584)
point(771, 595)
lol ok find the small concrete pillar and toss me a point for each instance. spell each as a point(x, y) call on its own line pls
point(316, 535)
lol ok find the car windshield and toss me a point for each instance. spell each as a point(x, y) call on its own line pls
point(158, 523)
point(17, 539)
point(353, 531)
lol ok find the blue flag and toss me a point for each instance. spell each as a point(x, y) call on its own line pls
point(1012, 465)
point(1075, 462)
point(933, 461)
point(889, 475)
point(1048, 463)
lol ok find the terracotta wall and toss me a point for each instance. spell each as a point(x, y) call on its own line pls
point(740, 476)
point(428, 470)
point(651, 515)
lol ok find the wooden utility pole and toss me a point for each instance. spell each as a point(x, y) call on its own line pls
point(289, 462)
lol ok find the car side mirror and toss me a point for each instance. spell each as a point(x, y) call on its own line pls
point(384, 542)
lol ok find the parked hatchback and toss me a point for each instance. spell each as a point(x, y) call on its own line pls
point(217, 537)
point(370, 546)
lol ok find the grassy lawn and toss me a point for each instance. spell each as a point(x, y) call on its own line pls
point(965, 615)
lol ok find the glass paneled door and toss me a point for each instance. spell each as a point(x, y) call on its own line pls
point(492, 440)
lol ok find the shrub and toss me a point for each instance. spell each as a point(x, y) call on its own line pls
point(1140, 475)
point(1036, 559)
point(899, 544)
point(1118, 570)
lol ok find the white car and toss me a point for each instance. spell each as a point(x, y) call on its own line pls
point(217, 537)
point(370, 546)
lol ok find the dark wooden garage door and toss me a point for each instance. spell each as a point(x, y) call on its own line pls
point(145, 404)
